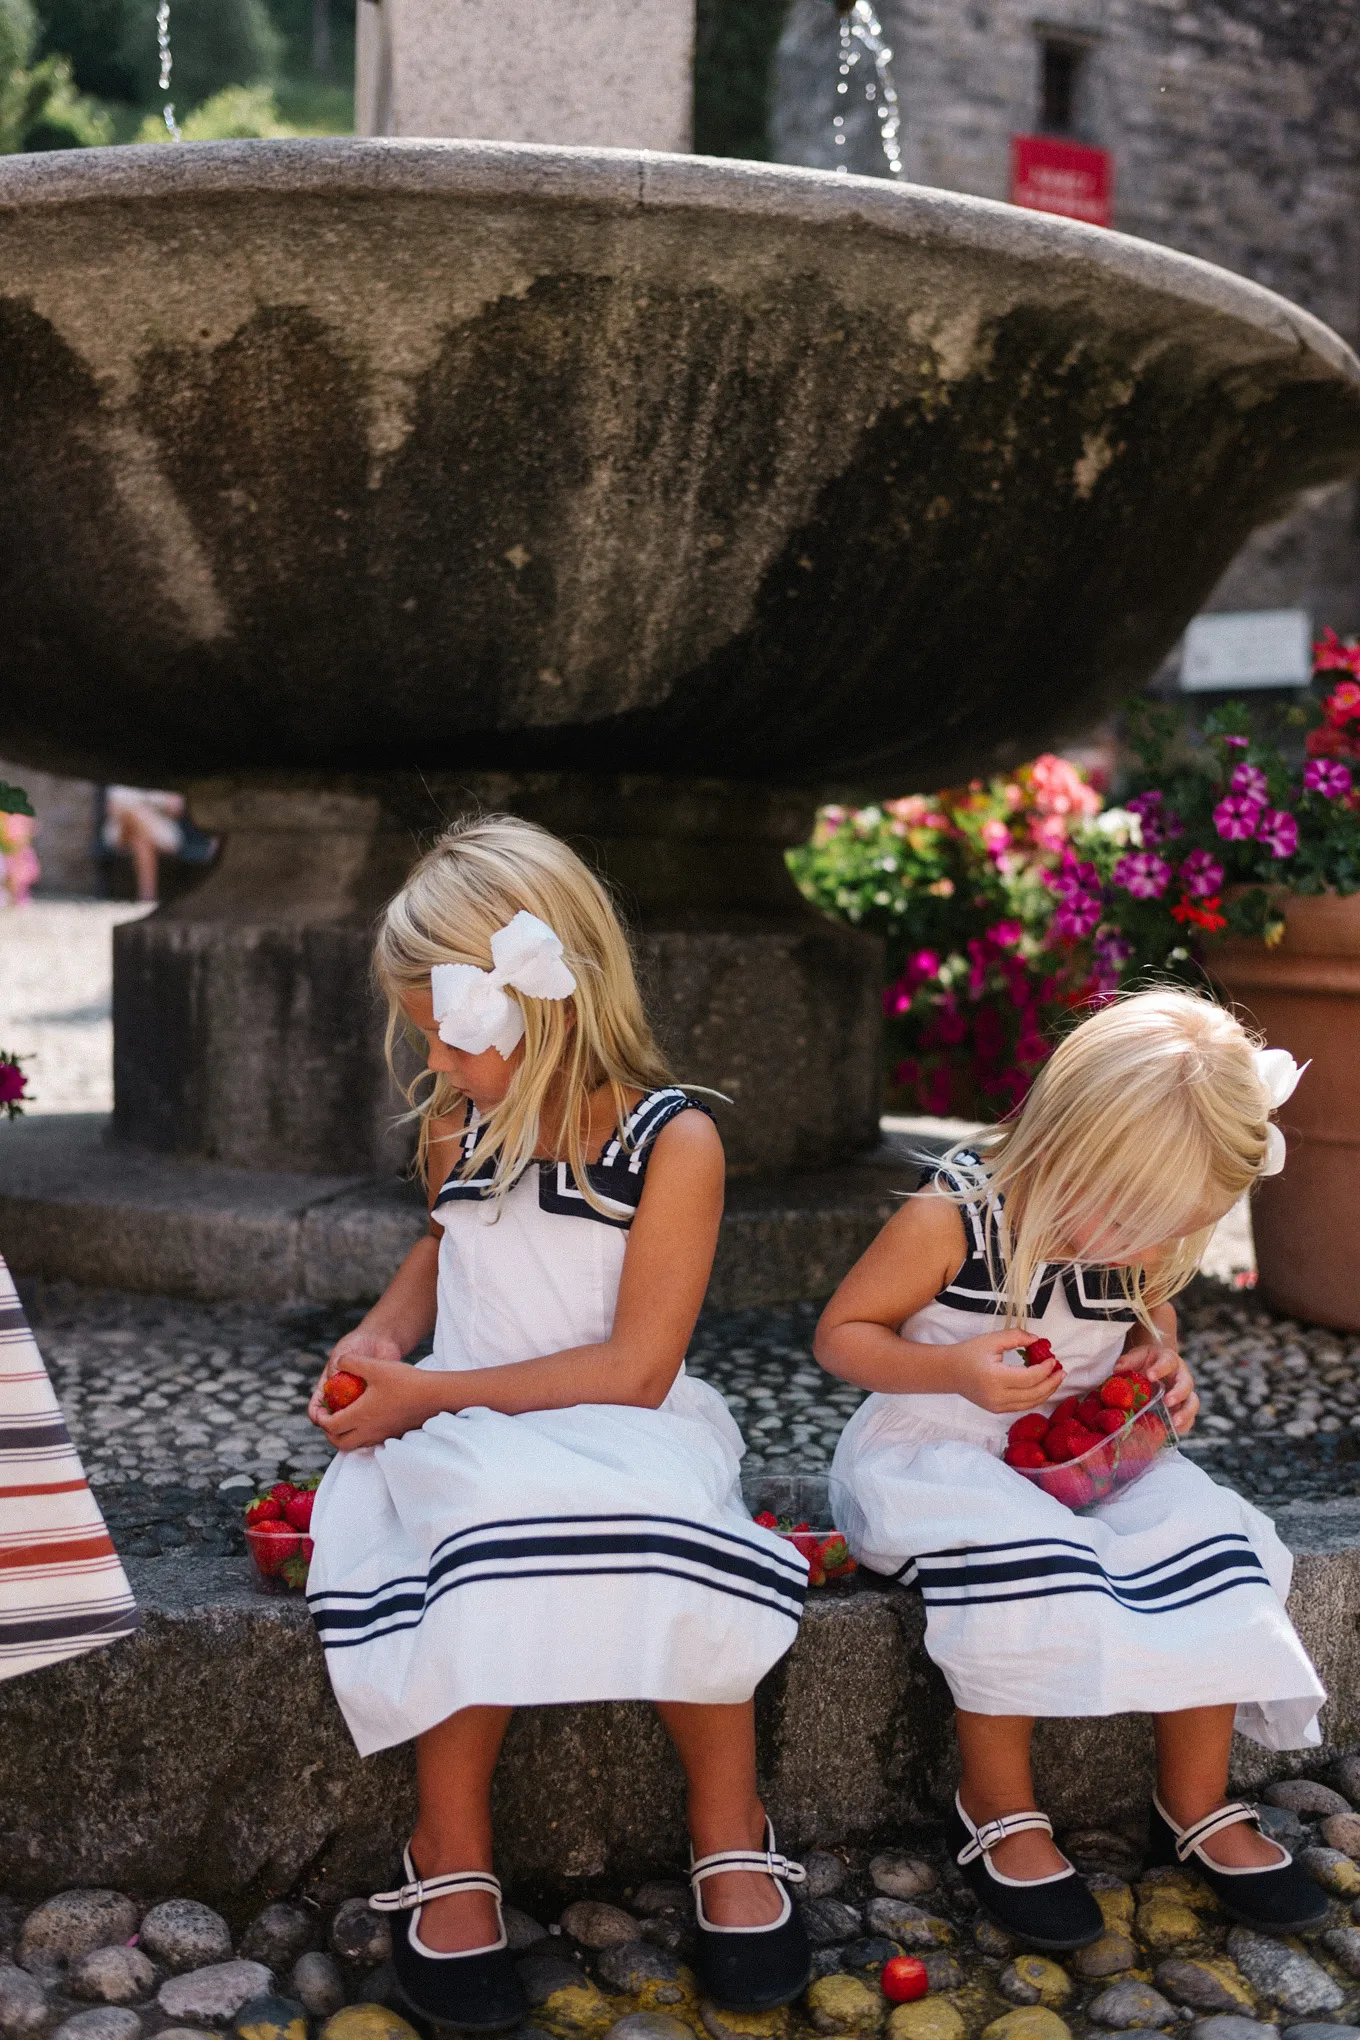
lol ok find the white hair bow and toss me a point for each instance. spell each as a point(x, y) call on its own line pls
point(1279, 1075)
point(471, 1008)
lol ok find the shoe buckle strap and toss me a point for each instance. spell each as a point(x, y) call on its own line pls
point(424, 1890)
point(1190, 1840)
point(993, 1832)
point(769, 1861)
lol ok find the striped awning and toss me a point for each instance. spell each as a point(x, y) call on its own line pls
point(62, 1588)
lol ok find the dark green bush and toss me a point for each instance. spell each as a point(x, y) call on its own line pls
point(734, 47)
point(215, 43)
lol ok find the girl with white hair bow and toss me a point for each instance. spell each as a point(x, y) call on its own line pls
point(547, 1509)
point(1075, 1224)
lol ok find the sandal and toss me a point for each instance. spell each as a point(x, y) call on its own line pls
point(1280, 1897)
point(1055, 1912)
point(752, 1969)
point(475, 1989)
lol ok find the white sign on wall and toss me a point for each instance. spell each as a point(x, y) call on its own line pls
point(1247, 648)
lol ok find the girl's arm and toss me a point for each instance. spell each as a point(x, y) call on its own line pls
point(670, 1251)
point(405, 1312)
point(1155, 1355)
point(918, 1252)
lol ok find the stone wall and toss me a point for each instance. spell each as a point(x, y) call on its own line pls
point(64, 842)
point(1235, 129)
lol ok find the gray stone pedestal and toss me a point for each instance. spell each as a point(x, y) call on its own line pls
point(247, 1030)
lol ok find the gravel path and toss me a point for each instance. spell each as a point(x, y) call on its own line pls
point(180, 1408)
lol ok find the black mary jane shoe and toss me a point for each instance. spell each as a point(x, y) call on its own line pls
point(477, 1989)
point(1280, 1898)
point(1056, 1912)
point(752, 1969)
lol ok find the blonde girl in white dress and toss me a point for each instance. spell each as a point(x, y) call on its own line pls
point(547, 1509)
point(1078, 1222)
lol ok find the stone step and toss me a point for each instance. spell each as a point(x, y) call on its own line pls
point(75, 1206)
point(206, 1754)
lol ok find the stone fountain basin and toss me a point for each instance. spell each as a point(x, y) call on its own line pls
point(363, 455)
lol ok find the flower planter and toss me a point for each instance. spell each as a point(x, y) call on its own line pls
point(1304, 995)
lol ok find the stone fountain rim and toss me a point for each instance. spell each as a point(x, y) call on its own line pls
point(642, 179)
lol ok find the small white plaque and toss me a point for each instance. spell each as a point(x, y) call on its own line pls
point(1247, 648)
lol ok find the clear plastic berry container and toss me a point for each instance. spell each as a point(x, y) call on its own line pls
point(281, 1556)
point(1114, 1463)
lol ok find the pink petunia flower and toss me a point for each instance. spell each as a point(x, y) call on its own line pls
point(1076, 917)
point(1144, 875)
point(1157, 822)
point(1249, 780)
point(1236, 743)
point(1236, 818)
point(1201, 875)
point(1279, 832)
point(1324, 776)
point(12, 1083)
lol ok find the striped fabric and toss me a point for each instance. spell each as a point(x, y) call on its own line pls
point(62, 1589)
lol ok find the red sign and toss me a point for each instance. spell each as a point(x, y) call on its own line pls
point(1049, 175)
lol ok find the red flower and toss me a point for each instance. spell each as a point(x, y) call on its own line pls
point(1203, 914)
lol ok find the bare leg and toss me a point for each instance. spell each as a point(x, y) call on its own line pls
point(454, 1762)
point(994, 1752)
point(1192, 1779)
point(145, 863)
point(717, 1746)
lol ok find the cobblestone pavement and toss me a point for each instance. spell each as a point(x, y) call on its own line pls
point(100, 1965)
point(179, 1408)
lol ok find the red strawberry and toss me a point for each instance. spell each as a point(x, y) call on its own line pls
point(834, 1556)
point(298, 1512)
point(903, 1978)
point(1110, 1421)
point(1025, 1452)
point(802, 1526)
point(1069, 1440)
point(1118, 1393)
point(282, 1492)
point(1030, 1429)
point(1038, 1353)
point(1143, 1390)
point(272, 1545)
point(808, 1542)
point(341, 1390)
point(1090, 1410)
point(1068, 1407)
point(264, 1509)
point(767, 1519)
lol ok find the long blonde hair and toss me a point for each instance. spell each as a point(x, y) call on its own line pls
point(1148, 1116)
point(477, 876)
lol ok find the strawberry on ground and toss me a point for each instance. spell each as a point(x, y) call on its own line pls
point(903, 1978)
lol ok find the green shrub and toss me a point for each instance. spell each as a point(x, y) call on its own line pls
point(91, 35)
point(215, 43)
point(733, 50)
point(238, 113)
point(39, 105)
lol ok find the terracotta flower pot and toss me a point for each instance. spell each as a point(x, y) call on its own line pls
point(1304, 995)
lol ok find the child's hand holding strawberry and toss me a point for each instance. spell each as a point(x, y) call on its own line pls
point(396, 1397)
point(1163, 1366)
point(982, 1375)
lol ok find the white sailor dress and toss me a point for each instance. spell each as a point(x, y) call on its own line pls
point(1169, 1595)
point(600, 1552)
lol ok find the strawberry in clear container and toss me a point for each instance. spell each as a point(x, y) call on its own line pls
point(1094, 1444)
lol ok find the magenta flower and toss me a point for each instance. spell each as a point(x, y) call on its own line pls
point(1236, 743)
point(1325, 776)
point(1201, 875)
point(1157, 822)
point(1076, 917)
point(1279, 832)
point(1236, 817)
point(12, 1083)
point(1145, 876)
point(1251, 781)
point(1072, 879)
point(1006, 934)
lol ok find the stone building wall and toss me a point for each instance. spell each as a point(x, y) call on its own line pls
point(1235, 131)
point(65, 836)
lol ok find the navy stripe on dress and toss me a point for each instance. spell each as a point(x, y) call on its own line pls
point(617, 1177)
point(1093, 1291)
point(1034, 1568)
point(716, 1560)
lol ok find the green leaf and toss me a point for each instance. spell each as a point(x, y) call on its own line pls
point(13, 800)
